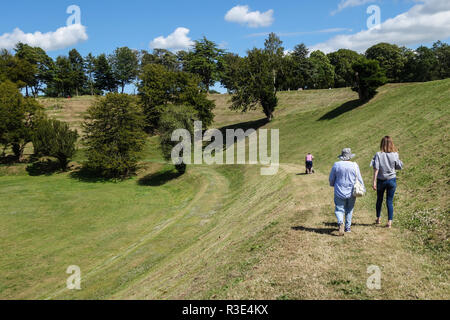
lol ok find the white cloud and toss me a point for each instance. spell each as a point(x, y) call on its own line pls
point(253, 19)
point(61, 38)
point(178, 40)
point(350, 3)
point(425, 22)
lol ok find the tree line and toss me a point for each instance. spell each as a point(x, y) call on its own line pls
point(32, 69)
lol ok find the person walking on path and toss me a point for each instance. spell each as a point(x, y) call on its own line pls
point(385, 163)
point(309, 163)
point(343, 178)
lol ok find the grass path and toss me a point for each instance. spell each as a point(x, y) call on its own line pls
point(310, 261)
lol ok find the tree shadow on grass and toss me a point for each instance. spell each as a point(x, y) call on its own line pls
point(159, 178)
point(346, 107)
point(255, 124)
point(328, 231)
point(43, 168)
point(89, 175)
point(8, 160)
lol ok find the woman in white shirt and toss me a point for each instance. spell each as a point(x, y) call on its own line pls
point(343, 177)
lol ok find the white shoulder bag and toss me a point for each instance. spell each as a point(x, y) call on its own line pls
point(358, 189)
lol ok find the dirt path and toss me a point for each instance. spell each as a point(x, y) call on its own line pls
point(310, 261)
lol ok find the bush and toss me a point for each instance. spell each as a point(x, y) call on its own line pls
point(175, 117)
point(368, 77)
point(114, 135)
point(18, 116)
point(54, 138)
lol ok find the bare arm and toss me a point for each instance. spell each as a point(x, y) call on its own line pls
point(375, 174)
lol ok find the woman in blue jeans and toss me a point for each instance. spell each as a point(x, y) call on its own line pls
point(343, 177)
point(385, 163)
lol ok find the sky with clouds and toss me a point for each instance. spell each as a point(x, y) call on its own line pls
point(328, 25)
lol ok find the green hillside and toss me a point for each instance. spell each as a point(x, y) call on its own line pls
point(226, 232)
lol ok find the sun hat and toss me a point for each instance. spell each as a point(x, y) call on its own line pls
point(346, 154)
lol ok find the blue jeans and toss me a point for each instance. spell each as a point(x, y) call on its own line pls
point(389, 186)
point(344, 207)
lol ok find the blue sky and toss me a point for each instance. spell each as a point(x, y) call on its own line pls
point(135, 23)
point(106, 25)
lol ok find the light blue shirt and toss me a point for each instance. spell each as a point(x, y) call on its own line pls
point(343, 177)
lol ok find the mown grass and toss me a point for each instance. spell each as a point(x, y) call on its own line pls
point(417, 116)
point(50, 222)
point(159, 235)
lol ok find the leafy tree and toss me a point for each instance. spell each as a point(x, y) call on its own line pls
point(409, 68)
point(297, 69)
point(11, 111)
point(322, 75)
point(104, 75)
point(160, 87)
point(175, 117)
point(274, 51)
point(390, 59)
point(300, 52)
point(255, 84)
point(63, 82)
point(229, 70)
point(89, 66)
point(8, 64)
point(203, 60)
point(77, 73)
point(161, 56)
point(426, 65)
point(114, 135)
point(368, 77)
point(54, 138)
point(125, 65)
point(34, 67)
point(342, 60)
point(18, 116)
point(442, 51)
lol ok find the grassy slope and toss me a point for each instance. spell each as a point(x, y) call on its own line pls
point(416, 115)
point(308, 263)
point(226, 231)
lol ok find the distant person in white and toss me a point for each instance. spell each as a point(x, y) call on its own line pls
point(343, 177)
point(385, 163)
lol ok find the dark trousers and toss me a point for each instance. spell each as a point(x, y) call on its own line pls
point(389, 186)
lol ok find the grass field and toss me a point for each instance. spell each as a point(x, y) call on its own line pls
point(226, 232)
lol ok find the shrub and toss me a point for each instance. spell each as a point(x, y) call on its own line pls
point(368, 77)
point(18, 116)
point(114, 135)
point(54, 138)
